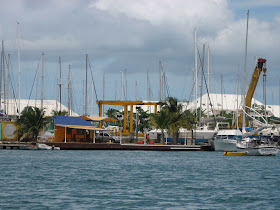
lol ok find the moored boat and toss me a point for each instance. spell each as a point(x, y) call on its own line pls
point(257, 147)
point(226, 140)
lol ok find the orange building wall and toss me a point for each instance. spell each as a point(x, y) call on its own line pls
point(59, 135)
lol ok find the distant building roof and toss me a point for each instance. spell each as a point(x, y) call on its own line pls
point(11, 106)
point(67, 120)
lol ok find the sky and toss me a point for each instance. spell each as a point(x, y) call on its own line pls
point(133, 37)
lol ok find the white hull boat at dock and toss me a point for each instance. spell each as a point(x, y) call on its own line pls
point(226, 140)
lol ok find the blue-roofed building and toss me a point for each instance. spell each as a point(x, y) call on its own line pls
point(70, 120)
point(73, 129)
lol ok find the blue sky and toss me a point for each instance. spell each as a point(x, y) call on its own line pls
point(136, 35)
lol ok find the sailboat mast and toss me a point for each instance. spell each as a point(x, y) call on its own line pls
point(160, 80)
point(60, 83)
point(126, 96)
point(136, 90)
point(68, 87)
point(195, 69)
point(103, 93)
point(122, 85)
point(86, 97)
point(237, 102)
point(208, 79)
point(2, 67)
point(4, 80)
point(42, 83)
point(201, 85)
point(8, 84)
point(18, 50)
point(222, 99)
point(245, 74)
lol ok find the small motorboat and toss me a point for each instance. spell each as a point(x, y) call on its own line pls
point(47, 147)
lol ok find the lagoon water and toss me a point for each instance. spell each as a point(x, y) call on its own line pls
point(137, 180)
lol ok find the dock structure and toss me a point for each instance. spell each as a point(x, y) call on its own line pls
point(108, 146)
point(113, 146)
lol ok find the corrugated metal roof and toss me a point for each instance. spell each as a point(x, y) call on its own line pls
point(67, 120)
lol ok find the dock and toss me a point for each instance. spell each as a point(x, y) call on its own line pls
point(109, 146)
point(112, 146)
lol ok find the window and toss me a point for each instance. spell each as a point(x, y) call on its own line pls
point(69, 131)
point(80, 132)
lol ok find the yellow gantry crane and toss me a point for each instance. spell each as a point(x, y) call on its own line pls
point(253, 84)
point(125, 104)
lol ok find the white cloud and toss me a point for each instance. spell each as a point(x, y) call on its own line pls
point(214, 12)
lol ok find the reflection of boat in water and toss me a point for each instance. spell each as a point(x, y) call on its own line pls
point(225, 140)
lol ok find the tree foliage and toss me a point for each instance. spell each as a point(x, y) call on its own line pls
point(31, 121)
point(172, 117)
point(61, 113)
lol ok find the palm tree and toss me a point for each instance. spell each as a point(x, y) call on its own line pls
point(177, 117)
point(61, 113)
point(161, 121)
point(31, 121)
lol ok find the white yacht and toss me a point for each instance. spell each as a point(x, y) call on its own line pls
point(226, 140)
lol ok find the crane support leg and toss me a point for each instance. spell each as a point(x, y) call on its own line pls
point(100, 114)
point(131, 119)
point(125, 119)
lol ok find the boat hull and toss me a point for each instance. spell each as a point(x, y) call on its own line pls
point(265, 151)
point(225, 145)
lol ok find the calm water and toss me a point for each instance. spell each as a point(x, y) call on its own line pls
point(137, 180)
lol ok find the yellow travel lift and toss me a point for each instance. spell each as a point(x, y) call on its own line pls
point(125, 104)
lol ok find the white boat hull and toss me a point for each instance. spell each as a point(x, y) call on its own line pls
point(264, 151)
point(225, 145)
